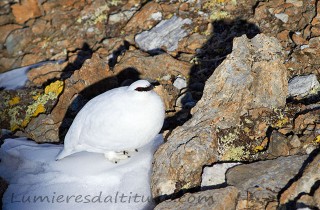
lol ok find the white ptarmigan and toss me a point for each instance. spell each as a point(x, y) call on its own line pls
point(116, 122)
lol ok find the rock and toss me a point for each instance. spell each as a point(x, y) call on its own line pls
point(298, 39)
point(216, 174)
point(165, 35)
point(315, 31)
point(120, 17)
point(304, 185)
point(39, 26)
point(17, 41)
point(278, 145)
point(29, 59)
point(283, 17)
point(167, 95)
point(252, 76)
point(152, 66)
point(192, 43)
point(9, 63)
point(6, 30)
point(185, 100)
point(259, 183)
point(26, 10)
point(50, 71)
point(295, 142)
point(19, 107)
point(146, 18)
point(180, 83)
point(303, 85)
point(307, 116)
point(219, 199)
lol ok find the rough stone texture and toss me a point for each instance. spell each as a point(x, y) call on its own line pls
point(237, 85)
point(219, 199)
point(19, 107)
point(42, 74)
point(214, 175)
point(278, 145)
point(144, 19)
point(308, 182)
point(26, 10)
point(303, 85)
point(5, 31)
point(18, 40)
point(166, 35)
point(260, 182)
point(152, 66)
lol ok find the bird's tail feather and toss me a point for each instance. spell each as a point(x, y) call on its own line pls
point(64, 153)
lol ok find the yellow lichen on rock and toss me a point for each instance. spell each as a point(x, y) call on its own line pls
point(235, 154)
point(317, 139)
point(54, 87)
point(51, 92)
point(40, 109)
point(283, 121)
point(258, 148)
point(15, 100)
point(216, 8)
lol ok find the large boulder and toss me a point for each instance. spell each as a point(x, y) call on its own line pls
point(251, 77)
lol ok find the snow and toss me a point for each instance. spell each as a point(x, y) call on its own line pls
point(14, 79)
point(81, 181)
point(17, 78)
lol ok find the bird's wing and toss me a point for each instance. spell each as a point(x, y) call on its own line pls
point(100, 115)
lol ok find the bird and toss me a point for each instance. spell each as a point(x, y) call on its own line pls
point(116, 122)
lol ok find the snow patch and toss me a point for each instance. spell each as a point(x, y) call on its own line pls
point(81, 181)
point(17, 78)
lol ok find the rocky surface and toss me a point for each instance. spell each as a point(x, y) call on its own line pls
point(166, 34)
point(224, 198)
point(231, 95)
point(260, 183)
point(242, 82)
point(215, 175)
point(303, 86)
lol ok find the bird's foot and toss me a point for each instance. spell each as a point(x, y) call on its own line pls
point(115, 157)
point(130, 152)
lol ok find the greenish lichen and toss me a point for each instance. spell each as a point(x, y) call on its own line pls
point(51, 92)
point(216, 9)
point(236, 154)
point(99, 16)
point(228, 149)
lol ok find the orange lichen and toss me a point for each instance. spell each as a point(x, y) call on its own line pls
point(35, 97)
point(40, 109)
point(317, 139)
point(280, 123)
point(258, 148)
point(55, 88)
point(15, 100)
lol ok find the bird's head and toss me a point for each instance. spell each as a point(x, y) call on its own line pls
point(141, 86)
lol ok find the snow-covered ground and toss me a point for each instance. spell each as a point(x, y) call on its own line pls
point(81, 181)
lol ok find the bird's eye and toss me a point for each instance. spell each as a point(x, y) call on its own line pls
point(144, 89)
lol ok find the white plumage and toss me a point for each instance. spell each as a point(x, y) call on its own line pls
point(119, 120)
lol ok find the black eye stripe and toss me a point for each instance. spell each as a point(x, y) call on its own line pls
point(144, 89)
